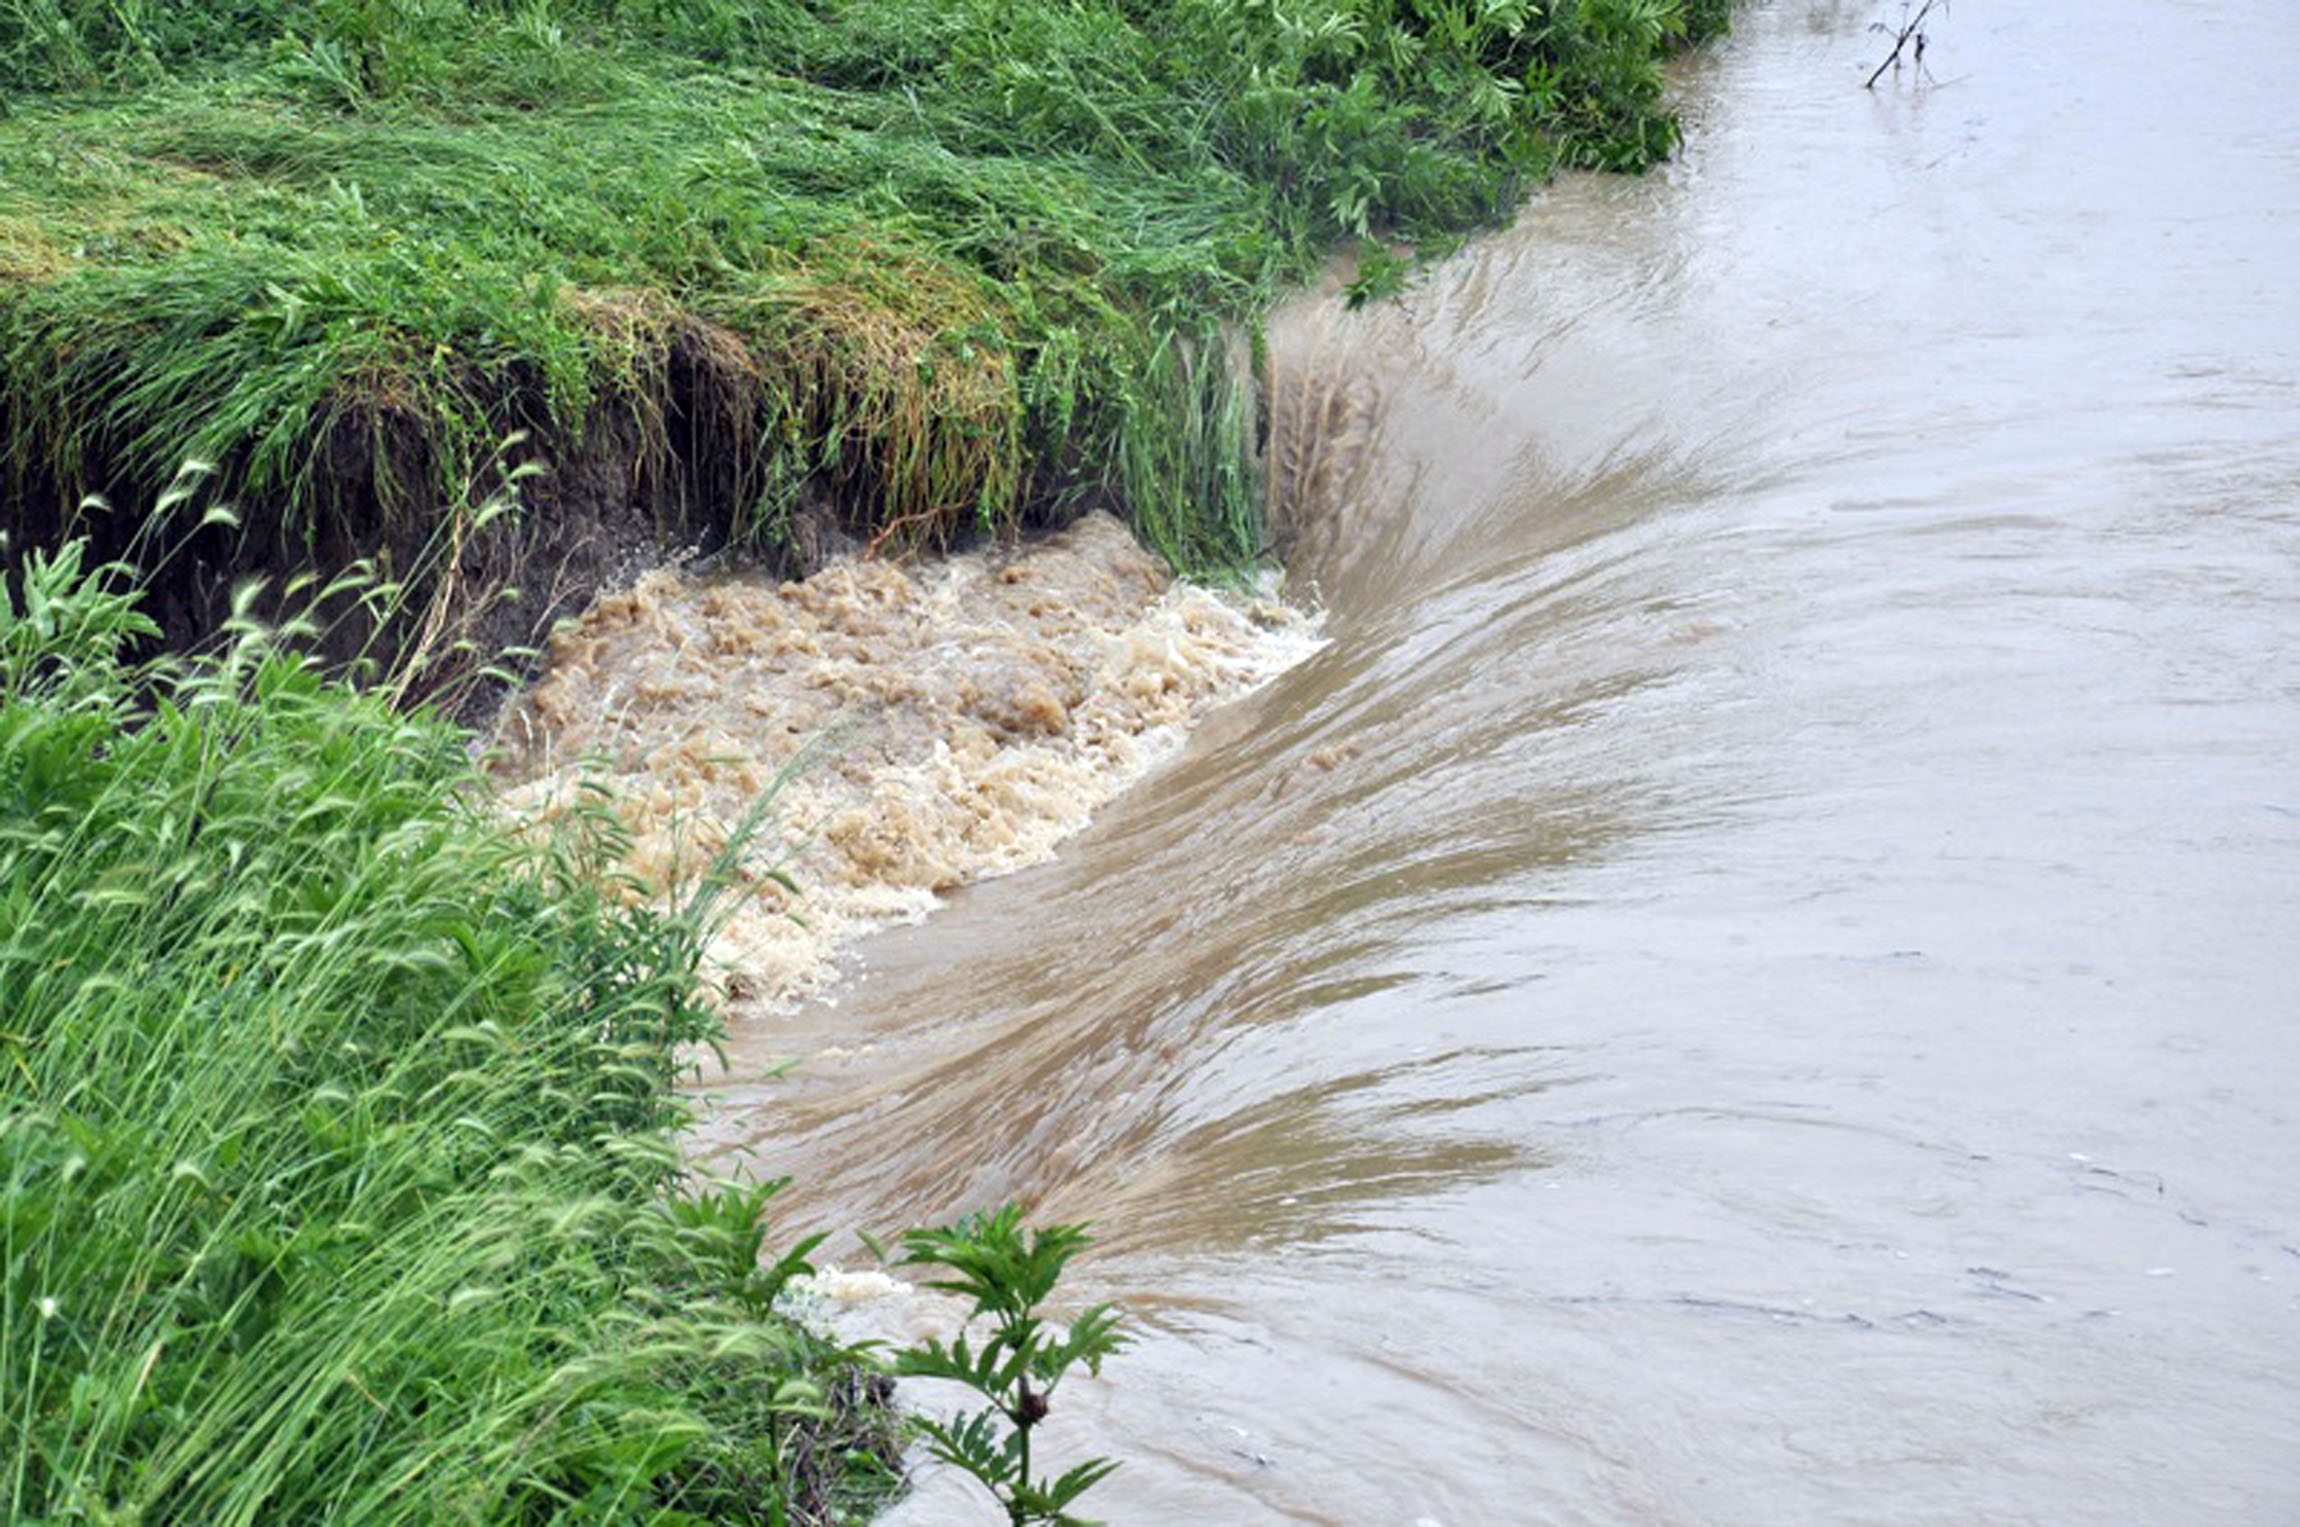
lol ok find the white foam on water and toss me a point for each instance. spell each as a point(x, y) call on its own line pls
point(929, 726)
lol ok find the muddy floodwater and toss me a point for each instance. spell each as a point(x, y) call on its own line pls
point(875, 736)
point(1755, 975)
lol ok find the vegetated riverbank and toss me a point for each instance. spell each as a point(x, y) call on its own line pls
point(338, 1129)
point(338, 1172)
point(769, 273)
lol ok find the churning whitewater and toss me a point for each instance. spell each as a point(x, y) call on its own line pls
point(929, 726)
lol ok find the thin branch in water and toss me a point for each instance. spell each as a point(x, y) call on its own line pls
point(1910, 30)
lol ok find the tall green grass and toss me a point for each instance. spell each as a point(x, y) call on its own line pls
point(939, 262)
point(337, 1169)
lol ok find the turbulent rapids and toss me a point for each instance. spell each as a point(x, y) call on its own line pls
point(929, 726)
point(1749, 979)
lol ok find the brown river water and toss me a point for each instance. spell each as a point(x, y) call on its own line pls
point(1755, 975)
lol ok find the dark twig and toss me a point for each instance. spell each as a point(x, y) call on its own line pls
point(1893, 58)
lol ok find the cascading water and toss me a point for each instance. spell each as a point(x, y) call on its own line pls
point(1753, 976)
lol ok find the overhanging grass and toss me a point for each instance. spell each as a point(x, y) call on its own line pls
point(337, 1175)
point(942, 261)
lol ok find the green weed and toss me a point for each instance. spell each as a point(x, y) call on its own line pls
point(1009, 1272)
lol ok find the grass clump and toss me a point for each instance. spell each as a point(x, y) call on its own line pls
point(337, 1174)
point(932, 263)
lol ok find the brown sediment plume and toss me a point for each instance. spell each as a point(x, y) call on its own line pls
point(968, 714)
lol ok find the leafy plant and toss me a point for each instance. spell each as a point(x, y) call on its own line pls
point(1380, 276)
point(1009, 1272)
point(729, 1226)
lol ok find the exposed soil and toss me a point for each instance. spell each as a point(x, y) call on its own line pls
point(651, 479)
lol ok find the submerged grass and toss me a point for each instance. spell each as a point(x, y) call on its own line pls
point(337, 1174)
point(936, 262)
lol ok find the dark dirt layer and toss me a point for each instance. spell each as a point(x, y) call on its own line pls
point(651, 479)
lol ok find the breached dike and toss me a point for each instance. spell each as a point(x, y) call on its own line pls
point(959, 719)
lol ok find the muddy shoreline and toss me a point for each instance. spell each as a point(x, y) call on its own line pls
point(480, 590)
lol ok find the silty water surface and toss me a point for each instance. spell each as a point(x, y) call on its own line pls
point(1757, 978)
